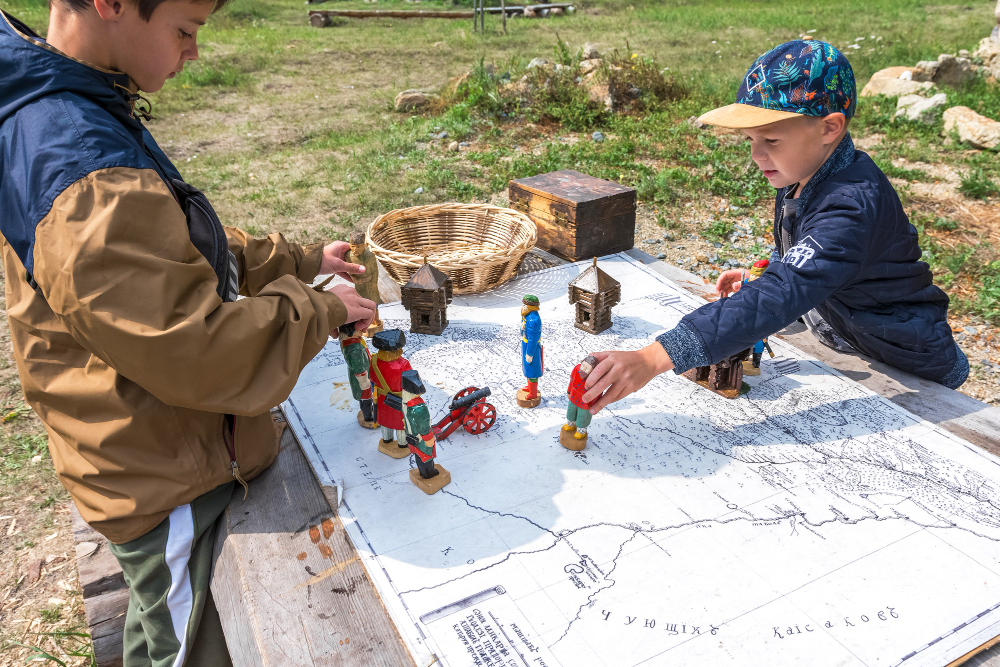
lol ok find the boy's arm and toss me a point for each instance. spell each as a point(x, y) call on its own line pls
point(832, 245)
point(114, 261)
point(262, 261)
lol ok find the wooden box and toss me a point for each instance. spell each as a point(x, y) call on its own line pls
point(578, 216)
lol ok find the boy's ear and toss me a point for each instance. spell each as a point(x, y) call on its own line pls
point(833, 127)
point(110, 10)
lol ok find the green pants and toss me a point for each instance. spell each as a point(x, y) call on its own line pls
point(172, 619)
point(578, 416)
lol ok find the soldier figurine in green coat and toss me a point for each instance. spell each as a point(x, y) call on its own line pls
point(358, 359)
point(427, 476)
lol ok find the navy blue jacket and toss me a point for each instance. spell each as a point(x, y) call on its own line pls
point(853, 256)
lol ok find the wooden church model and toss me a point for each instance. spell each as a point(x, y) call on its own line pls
point(594, 292)
point(426, 296)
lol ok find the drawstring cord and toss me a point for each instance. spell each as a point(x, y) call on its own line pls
point(134, 99)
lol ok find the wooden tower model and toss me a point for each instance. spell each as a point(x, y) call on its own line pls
point(594, 292)
point(724, 378)
point(426, 296)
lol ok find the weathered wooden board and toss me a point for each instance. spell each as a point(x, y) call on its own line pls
point(105, 595)
point(288, 583)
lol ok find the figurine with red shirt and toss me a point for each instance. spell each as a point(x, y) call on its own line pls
point(752, 366)
point(386, 372)
point(427, 476)
point(358, 359)
point(573, 434)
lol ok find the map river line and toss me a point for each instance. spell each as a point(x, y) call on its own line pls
point(807, 522)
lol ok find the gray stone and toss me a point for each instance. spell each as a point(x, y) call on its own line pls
point(589, 51)
point(925, 70)
point(597, 136)
point(972, 331)
point(662, 255)
point(651, 241)
point(920, 109)
point(954, 71)
point(537, 62)
point(412, 100)
point(418, 191)
point(972, 128)
point(443, 135)
point(717, 244)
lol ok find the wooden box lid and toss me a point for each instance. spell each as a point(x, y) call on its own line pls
point(574, 188)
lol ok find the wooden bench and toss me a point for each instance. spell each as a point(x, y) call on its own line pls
point(291, 589)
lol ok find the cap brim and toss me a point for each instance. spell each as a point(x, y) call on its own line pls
point(741, 116)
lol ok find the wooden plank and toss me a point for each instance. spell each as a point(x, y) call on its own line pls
point(105, 595)
point(953, 411)
point(288, 583)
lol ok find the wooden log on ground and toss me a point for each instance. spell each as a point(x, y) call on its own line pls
point(288, 583)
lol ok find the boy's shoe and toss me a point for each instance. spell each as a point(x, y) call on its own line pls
point(569, 427)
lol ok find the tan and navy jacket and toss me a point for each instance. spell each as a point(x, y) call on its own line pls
point(144, 371)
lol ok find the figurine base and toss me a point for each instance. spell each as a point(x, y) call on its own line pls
point(361, 420)
point(432, 485)
point(750, 369)
point(393, 449)
point(727, 393)
point(372, 330)
point(569, 440)
point(527, 402)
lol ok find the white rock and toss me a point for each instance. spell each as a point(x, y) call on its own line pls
point(925, 70)
point(589, 65)
point(972, 128)
point(918, 108)
point(589, 51)
point(894, 87)
point(537, 62)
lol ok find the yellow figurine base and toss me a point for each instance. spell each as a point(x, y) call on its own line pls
point(527, 402)
point(432, 485)
point(361, 420)
point(569, 440)
point(372, 330)
point(393, 449)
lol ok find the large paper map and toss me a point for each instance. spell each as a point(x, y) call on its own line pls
point(809, 522)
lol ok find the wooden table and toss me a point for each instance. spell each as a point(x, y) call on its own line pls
point(292, 590)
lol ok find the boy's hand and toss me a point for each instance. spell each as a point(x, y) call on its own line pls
point(360, 310)
point(334, 262)
point(618, 374)
point(729, 282)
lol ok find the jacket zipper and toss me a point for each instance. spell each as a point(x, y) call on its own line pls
point(229, 436)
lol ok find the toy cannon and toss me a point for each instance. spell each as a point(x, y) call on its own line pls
point(470, 410)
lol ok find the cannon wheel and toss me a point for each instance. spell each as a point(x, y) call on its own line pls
point(465, 392)
point(480, 418)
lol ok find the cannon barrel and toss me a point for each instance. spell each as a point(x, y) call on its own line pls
point(465, 401)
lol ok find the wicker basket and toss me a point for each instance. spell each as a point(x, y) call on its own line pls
point(477, 245)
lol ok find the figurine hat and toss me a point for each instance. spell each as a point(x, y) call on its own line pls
point(797, 78)
point(389, 340)
point(530, 300)
point(412, 383)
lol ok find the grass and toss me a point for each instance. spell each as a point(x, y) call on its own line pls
point(291, 129)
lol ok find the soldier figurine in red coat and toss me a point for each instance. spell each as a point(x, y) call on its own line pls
point(573, 434)
point(386, 377)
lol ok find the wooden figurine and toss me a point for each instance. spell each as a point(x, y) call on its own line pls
point(752, 366)
point(594, 292)
point(387, 368)
point(358, 359)
point(724, 378)
point(366, 283)
point(427, 476)
point(532, 352)
point(573, 434)
point(426, 296)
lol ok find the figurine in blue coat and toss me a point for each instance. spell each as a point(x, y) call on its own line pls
point(752, 367)
point(532, 352)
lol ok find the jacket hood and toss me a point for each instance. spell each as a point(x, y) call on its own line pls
point(31, 69)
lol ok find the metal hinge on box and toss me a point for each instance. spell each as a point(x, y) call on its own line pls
point(520, 205)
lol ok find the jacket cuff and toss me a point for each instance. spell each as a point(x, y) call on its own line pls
point(335, 309)
point(685, 349)
point(312, 257)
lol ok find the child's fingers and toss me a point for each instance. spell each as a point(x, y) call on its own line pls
point(600, 369)
point(609, 397)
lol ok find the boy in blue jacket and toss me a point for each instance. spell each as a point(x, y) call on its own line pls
point(847, 259)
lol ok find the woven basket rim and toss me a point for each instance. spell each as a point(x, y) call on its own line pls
point(471, 260)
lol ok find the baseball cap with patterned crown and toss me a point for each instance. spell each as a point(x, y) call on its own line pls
point(798, 78)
